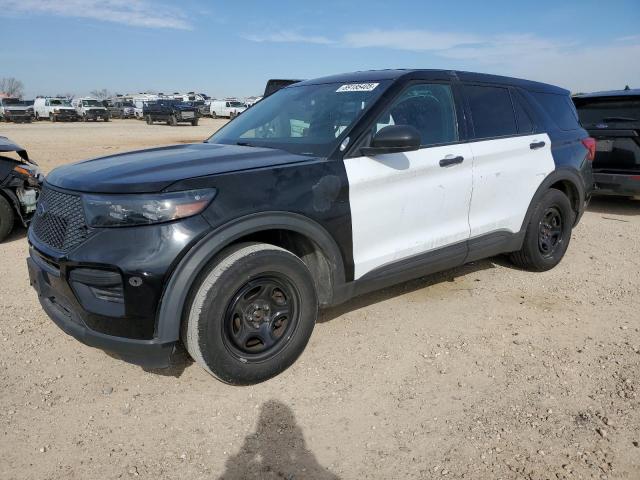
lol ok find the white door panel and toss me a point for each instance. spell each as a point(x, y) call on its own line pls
point(506, 175)
point(404, 204)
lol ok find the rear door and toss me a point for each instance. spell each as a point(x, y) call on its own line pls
point(407, 204)
point(510, 161)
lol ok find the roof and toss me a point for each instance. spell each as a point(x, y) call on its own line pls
point(395, 74)
point(632, 92)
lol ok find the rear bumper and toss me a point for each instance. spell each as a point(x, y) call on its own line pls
point(617, 184)
point(147, 353)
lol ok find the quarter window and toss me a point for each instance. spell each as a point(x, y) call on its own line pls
point(429, 107)
point(491, 111)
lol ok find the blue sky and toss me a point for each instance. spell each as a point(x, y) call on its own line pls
point(232, 48)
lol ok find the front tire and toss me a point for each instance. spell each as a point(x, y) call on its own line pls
point(149, 120)
point(251, 314)
point(7, 218)
point(173, 121)
point(194, 122)
point(548, 233)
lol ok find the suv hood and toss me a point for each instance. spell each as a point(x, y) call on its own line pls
point(153, 170)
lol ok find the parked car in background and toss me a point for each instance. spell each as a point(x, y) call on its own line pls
point(171, 111)
point(89, 108)
point(20, 183)
point(250, 101)
point(613, 119)
point(325, 190)
point(229, 107)
point(139, 102)
point(15, 110)
point(120, 108)
point(54, 109)
point(275, 84)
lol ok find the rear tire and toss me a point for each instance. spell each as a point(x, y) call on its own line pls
point(194, 122)
point(251, 313)
point(7, 218)
point(548, 233)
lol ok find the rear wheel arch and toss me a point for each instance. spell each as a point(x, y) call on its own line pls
point(296, 233)
point(568, 182)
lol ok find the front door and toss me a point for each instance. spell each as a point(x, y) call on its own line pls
point(408, 204)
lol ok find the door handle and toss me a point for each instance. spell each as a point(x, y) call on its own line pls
point(448, 161)
point(536, 145)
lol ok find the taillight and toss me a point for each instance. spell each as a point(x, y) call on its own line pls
point(590, 144)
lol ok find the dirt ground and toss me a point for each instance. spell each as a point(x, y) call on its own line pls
point(485, 371)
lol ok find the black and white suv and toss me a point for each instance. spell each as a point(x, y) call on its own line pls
point(327, 189)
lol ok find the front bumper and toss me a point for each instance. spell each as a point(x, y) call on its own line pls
point(627, 185)
point(96, 114)
point(106, 291)
point(147, 353)
point(69, 115)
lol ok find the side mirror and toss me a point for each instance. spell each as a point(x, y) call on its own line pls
point(393, 139)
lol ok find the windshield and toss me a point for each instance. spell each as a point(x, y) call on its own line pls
point(308, 119)
point(57, 101)
point(13, 101)
point(602, 110)
point(91, 103)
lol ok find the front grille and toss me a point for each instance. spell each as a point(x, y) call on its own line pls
point(59, 220)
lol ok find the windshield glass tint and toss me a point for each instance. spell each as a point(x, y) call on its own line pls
point(13, 101)
point(309, 119)
point(56, 101)
point(599, 110)
point(91, 103)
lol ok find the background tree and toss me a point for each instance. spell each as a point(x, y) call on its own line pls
point(11, 86)
point(100, 94)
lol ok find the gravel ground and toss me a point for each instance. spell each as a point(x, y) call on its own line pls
point(484, 371)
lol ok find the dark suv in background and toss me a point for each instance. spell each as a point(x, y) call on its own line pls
point(324, 190)
point(613, 119)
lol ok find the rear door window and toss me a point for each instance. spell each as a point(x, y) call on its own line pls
point(560, 108)
point(491, 111)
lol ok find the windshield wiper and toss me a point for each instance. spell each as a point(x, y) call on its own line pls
point(245, 144)
point(619, 119)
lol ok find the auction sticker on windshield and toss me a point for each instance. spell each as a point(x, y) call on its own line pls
point(357, 87)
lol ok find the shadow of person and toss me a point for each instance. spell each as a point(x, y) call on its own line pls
point(276, 450)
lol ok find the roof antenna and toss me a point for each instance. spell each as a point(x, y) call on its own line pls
point(627, 87)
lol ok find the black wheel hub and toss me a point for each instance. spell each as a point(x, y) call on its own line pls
point(550, 231)
point(261, 317)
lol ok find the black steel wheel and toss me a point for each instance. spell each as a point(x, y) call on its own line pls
point(251, 313)
point(261, 317)
point(547, 234)
point(550, 231)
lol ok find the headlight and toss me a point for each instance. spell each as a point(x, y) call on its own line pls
point(143, 209)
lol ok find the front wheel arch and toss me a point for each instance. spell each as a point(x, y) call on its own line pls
point(176, 290)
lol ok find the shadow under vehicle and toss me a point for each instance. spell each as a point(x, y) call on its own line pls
point(20, 182)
